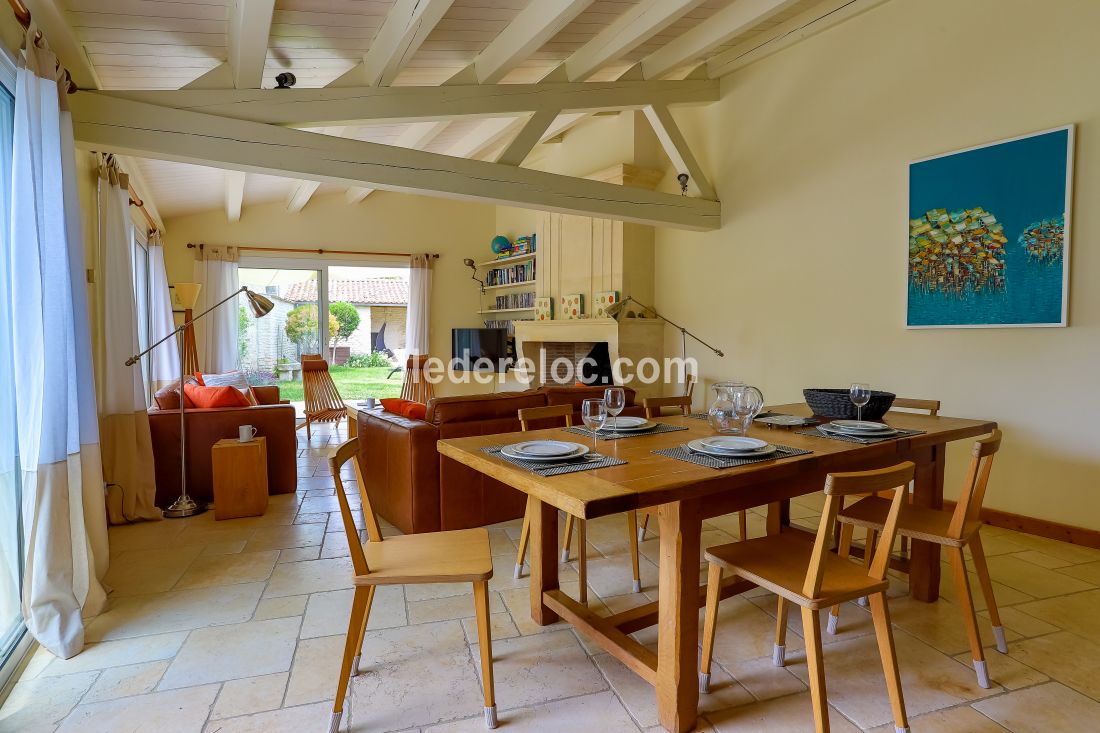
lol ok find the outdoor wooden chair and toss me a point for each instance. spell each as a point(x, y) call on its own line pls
point(653, 407)
point(526, 415)
point(416, 386)
point(808, 574)
point(951, 530)
point(323, 400)
point(457, 556)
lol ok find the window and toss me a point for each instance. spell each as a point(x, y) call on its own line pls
point(12, 640)
point(139, 257)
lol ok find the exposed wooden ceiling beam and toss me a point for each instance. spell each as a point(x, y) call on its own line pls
point(350, 105)
point(676, 147)
point(818, 18)
point(634, 27)
point(249, 31)
point(417, 135)
point(563, 124)
point(527, 33)
point(485, 136)
point(406, 26)
point(725, 25)
point(532, 132)
point(234, 194)
point(49, 16)
point(133, 128)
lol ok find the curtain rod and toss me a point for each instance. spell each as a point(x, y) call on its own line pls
point(23, 15)
point(322, 251)
point(135, 200)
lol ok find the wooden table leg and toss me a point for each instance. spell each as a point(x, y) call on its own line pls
point(544, 558)
point(678, 624)
point(924, 557)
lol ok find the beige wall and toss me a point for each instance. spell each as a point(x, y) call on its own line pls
point(384, 222)
point(804, 285)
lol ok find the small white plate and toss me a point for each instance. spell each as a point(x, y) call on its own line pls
point(698, 446)
point(827, 428)
point(733, 444)
point(544, 450)
point(860, 426)
point(625, 423)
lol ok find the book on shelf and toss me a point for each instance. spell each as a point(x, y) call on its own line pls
point(514, 300)
point(519, 273)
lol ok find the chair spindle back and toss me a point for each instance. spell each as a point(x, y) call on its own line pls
point(527, 414)
point(653, 405)
point(350, 450)
point(977, 481)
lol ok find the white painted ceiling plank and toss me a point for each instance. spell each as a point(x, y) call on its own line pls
point(527, 33)
point(249, 32)
point(818, 18)
point(634, 27)
point(132, 128)
point(49, 16)
point(234, 194)
point(409, 22)
point(220, 77)
point(725, 25)
point(485, 136)
point(676, 147)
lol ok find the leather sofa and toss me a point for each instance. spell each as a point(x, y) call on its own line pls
point(205, 427)
point(416, 489)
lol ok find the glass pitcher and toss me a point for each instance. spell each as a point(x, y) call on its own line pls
point(734, 407)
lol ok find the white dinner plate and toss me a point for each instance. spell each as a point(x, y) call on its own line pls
point(784, 420)
point(827, 428)
point(544, 450)
point(860, 426)
point(698, 446)
point(625, 423)
point(733, 444)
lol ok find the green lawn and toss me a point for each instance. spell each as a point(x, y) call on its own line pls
point(354, 384)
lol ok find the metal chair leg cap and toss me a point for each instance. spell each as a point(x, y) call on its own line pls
point(862, 600)
point(833, 621)
point(704, 683)
point(779, 655)
point(898, 729)
point(641, 535)
point(983, 674)
point(637, 586)
point(518, 572)
point(334, 724)
point(491, 717)
point(999, 635)
point(565, 555)
point(355, 666)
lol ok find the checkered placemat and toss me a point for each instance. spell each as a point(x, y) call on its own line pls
point(615, 434)
point(683, 454)
point(697, 416)
point(862, 441)
point(586, 463)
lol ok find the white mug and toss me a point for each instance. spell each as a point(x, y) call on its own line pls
point(246, 433)
point(368, 402)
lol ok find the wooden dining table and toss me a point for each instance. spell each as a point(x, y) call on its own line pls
point(683, 494)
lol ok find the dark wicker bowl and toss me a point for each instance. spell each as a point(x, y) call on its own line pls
point(835, 403)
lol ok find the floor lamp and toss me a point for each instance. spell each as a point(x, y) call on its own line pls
point(188, 294)
point(615, 309)
point(185, 506)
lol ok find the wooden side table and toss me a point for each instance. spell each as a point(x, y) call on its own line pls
point(240, 478)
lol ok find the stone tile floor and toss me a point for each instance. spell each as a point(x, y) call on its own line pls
point(238, 626)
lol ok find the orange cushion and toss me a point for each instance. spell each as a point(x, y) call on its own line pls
point(405, 408)
point(206, 397)
point(416, 410)
point(198, 378)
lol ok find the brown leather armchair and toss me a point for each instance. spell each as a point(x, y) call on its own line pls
point(271, 418)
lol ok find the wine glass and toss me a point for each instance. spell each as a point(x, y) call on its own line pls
point(594, 414)
point(615, 397)
point(747, 403)
point(860, 395)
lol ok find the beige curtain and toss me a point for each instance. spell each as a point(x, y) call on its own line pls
point(216, 333)
point(125, 442)
point(420, 300)
point(164, 361)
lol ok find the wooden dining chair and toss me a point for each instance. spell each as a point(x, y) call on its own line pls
point(416, 386)
point(952, 530)
point(811, 576)
point(526, 416)
point(457, 556)
point(653, 407)
point(932, 407)
point(323, 400)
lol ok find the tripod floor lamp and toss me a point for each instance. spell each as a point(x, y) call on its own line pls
point(615, 309)
point(185, 506)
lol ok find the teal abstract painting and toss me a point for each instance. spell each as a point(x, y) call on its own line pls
point(989, 234)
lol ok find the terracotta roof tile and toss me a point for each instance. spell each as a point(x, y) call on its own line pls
point(368, 291)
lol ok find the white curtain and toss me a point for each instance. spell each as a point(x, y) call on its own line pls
point(126, 444)
point(164, 361)
point(216, 334)
point(420, 299)
point(64, 523)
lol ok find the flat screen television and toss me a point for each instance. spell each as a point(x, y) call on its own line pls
point(479, 349)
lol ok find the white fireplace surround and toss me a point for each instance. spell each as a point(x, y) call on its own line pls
point(533, 336)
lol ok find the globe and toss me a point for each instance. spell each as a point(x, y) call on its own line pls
point(501, 244)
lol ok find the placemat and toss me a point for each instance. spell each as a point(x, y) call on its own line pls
point(862, 441)
point(704, 415)
point(661, 427)
point(683, 454)
point(556, 469)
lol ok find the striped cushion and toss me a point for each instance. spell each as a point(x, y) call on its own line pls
point(230, 379)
